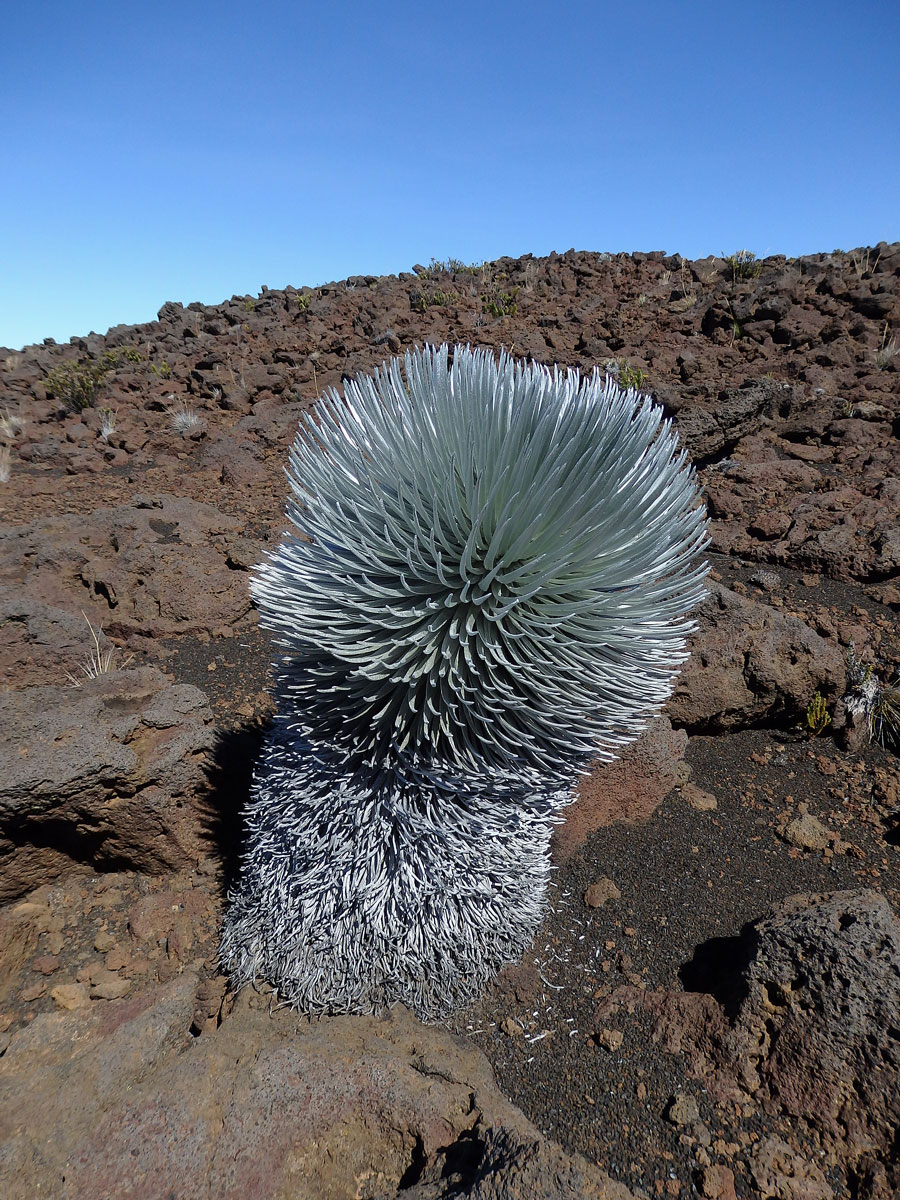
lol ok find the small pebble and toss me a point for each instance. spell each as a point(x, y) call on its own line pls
point(808, 833)
point(609, 1039)
point(598, 893)
point(698, 799)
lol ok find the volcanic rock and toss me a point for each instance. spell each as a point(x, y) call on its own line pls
point(750, 663)
point(107, 774)
point(266, 1106)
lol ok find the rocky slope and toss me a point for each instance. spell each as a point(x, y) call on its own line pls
point(684, 1027)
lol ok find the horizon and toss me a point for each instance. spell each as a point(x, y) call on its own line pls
point(195, 155)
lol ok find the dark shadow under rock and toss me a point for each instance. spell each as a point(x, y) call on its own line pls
point(718, 968)
point(229, 773)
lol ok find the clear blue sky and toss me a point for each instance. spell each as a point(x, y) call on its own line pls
point(192, 150)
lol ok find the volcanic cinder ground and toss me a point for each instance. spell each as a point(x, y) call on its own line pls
point(712, 1007)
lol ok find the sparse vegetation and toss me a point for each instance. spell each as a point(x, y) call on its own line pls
point(817, 715)
point(736, 331)
point(744, 265)
point(5, 464)
point(872, 702)
point(887, 350)
point(448, 266)
point(498, 302)
point(688, 289)
point(77, 384)
point(107, 422)
point(864, 263)
point(10, 424)
point(98, 662)
point(161, 370)
point(627, 376)
point(183, 419)
point(422, 299)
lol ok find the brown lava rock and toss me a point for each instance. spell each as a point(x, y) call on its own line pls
point(110, 772)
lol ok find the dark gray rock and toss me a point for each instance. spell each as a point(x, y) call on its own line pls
point(711, 429)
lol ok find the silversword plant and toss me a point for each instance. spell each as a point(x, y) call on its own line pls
point(488, 586)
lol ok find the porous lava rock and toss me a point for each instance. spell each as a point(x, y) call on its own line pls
point(810, 1026)
point(818, 1032)
point(750, 663)
point(108, 774)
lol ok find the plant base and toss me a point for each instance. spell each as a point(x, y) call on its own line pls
point(363, 889)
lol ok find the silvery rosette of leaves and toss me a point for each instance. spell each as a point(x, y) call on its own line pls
point(487, 586)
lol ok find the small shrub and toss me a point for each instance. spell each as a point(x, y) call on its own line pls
point(500, 303)
point(626, 376)
point(744, 265)
point(183, 419)
point(817, 715)
point(449, 266)
point(77, 384)
point(422, 300)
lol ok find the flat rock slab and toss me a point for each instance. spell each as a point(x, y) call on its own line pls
point(267, 1106)
point(160, 566)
